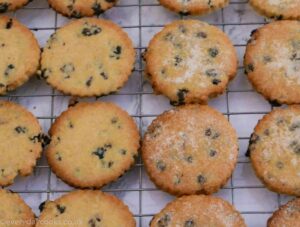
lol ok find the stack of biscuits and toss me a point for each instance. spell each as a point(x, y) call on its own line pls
point(189, 151)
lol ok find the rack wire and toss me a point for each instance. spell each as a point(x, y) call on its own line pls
point(232, 189)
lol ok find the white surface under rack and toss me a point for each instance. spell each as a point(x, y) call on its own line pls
point(142, 19)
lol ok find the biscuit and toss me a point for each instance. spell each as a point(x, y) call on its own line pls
point(190, 61)
point(86, 208)
point(190, 150)
point(88, 57)
point(92, 144)
point(12, 5)
point(272, 61)
point(198, 210)
point(275, 150)
point(278, 9)
point(20, 54)
point(14, 211)
point(193, 7)
point(20, 142)
point(287, 215)
point(81, 8)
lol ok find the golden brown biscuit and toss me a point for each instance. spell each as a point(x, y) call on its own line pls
point(275, 150)
point(277, 9)
point(20, 142)
point(12, 5)
point(88, 57)
point(272, 61)
point(190, 150)
point(194, 7)
point(86, 208)
point(14, 211)
point(190, 61)
point(92, 144)
point(287, 215)
point(20, 54)
point(81, 8)
point(198, 210)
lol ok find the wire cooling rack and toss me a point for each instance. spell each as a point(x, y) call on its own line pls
point(142, 19)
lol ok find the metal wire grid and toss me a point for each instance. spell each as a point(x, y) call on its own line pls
point(140, 114)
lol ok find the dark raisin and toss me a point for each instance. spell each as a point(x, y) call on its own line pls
point(42, 206)
point(212, 153)
point(253, 140)
point(114, 120)
point(60, 208)
point(267, 132)
point(91, 30)
point(249, 68)
point(67, 68)
point(181, 94)
point(279, 165)
point(9, 24)
point(76, 14)
point(208, 132)
point(100, 151)
point(201, 34)
point(213, 52)
point(21, 130)
point(216, 135)
point(161, 166)
point(45, 73)
point(4, 7)
point(216, 81)
point(274, 103)
point(184, 13)
point(123, 152)
point(294, 126)
point(189, 223)
point(164, 221)
point(295, 146)
point(118, 50)
point(41, 138)
point(168, 36)
point(267, 59)
point(277, 17)
point(201, 179)
point(182, 28)
point(104, 75)
point(178, 60)
point(110, 164)
point(189, 159)
point(9, 69)
point(88, 83)
point(58, 156)
point(97, 9)
point(93, 222)
point(211, 72)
